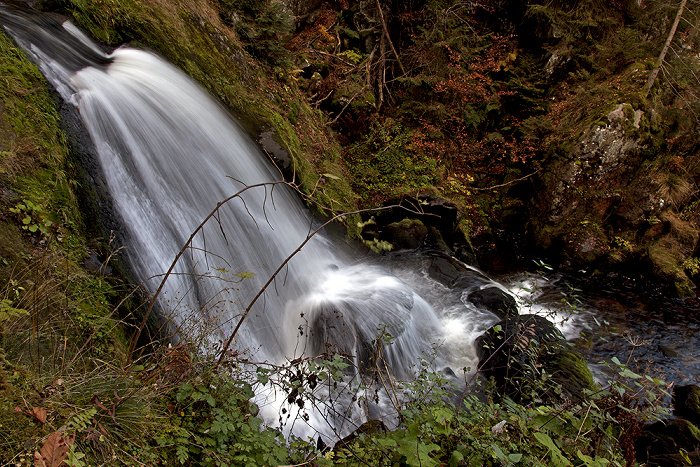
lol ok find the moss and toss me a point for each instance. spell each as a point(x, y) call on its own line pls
point(405, 234)
point(667, 262)
point(570, 369)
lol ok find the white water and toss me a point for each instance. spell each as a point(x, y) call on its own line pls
point(170, 153)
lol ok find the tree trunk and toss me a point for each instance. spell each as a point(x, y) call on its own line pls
point(662, 56)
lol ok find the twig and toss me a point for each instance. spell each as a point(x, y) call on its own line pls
point(385, 29)
point(505, 184)
point(180, 253)
point(284, 263)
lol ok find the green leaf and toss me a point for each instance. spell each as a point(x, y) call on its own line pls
point(456, 458)
point(245, 275)
point(331, 176)
point(558, 460)
point(590, 462)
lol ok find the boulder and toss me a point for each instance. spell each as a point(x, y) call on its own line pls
point(431, 210)
point(662, 442)
point(494, 299)
point(522, 351)
point(407, 234)
point(686, 403)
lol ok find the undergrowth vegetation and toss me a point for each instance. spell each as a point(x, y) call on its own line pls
point(70, 390)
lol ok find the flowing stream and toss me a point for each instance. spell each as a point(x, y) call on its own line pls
point(170, 154)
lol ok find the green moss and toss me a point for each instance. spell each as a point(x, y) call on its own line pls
point(570, 369)
point(385, 166)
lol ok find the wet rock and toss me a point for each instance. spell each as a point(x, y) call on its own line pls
point(370, 427)
point(518, 351)
point(686, 403)
point(407, 234)
point(661, 443)
point(494, 299)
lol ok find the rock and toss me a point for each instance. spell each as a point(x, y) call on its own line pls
point(519, 350)
point(686, 403)
point(494, 299)
point(431, 210)
point(407, 234)
point(660, 443)
point(370, 427)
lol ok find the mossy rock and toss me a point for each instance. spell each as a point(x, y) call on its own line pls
point(686, 403)
point(666, 259)
point(661, 443)
point(407, 234)
point(527, 357)
point(569, 368)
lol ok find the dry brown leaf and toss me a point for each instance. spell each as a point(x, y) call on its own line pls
point(54, 451)
point(39, 413)
point(38, 460)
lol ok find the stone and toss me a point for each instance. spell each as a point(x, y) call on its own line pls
point(686, 403)
point(407, 234)
point(494, 299)
point(661, 442)
point(518, 351)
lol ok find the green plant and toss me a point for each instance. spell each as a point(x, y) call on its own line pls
point(32, 217)
point(215, 425)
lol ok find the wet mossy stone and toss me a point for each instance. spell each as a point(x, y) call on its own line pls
point(686, 403)
point(520, 350)
point(431, 210)
point(368, 428)
point(494, 299)
point(407, 234)
point(662, 442)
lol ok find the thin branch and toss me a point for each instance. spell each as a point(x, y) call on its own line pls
point(199, 228)
point(284, 264)
point(385, 29)
point(507, 183)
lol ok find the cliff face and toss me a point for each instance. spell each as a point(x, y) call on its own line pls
point(532, 118)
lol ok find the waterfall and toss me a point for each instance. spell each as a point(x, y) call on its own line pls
point(170, 154)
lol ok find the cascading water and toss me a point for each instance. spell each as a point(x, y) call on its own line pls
point(170, 154)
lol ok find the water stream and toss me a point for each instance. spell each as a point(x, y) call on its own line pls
point(170, 153)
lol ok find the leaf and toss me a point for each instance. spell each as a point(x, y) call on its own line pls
point(54, 451)
point(38, 460)
point(245, 275)
point(558, 459)
point(590, 462)
point(39, 413)
point(456, 458)
point(331, 176)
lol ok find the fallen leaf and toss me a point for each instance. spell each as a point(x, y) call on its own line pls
point(54, 451)
point(38, 460)
point(39, 413)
